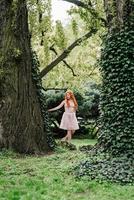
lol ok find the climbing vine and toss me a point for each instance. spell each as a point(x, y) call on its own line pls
point(117, 67)
point(37, 80)
point(114, 152)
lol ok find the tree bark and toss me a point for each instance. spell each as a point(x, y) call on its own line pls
point(118, 13)
point(21, 123)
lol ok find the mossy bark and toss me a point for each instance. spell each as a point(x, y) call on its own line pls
point(21, 123)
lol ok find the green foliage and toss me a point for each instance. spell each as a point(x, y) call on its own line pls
point(60, 38)
point(40, 26)
point(104, 167)
point(90, 100)
point(58, 35)
point(117, 96)
point(49, 178)
point(39, 17)
point(90, 15)
point(117, 119)
point(42, 99)
point(46, 50)
point(75, 27)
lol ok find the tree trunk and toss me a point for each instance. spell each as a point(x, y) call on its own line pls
point(118, 13)
point(117, 62)
point(21, 123)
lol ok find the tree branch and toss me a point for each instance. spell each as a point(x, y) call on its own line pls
point(66, 52)
point(64, 61)
point(89, 7)
point(56, 89)
point(80, 3)
point(69, 67)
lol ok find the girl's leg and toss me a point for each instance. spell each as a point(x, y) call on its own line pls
point(73, 131)
point(69, 135)
point(65, 138)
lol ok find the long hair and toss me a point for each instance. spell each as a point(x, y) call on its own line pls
point(72, 98)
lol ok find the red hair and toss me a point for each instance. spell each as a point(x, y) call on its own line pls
point(72, 97)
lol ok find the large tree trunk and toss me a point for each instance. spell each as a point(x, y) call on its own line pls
point(21, 123)
point(117, 99)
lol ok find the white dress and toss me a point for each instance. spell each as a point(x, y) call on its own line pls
point(69, 120)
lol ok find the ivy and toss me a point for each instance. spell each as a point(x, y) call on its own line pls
point(106, 168)
point(117, 99)
point(37, 80)
point(114, 154)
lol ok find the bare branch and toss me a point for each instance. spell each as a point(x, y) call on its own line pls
point(69, 67)
point(66, 52)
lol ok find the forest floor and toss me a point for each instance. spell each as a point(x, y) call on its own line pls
point(50, 178)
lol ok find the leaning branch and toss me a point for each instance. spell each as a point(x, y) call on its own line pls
point(64, 61)
point(66, 52)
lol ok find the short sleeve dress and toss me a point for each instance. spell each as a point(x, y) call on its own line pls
point(69, 120)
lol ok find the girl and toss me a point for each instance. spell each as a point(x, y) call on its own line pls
point(68, 121)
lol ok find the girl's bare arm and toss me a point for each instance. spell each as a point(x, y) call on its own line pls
point(57, 107)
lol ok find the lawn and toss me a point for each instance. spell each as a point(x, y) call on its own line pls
point(50, 178)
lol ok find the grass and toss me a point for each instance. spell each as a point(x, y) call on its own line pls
point(80, 142)
point(49, 178)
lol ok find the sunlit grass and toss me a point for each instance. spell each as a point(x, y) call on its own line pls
point(49, 178)
point(80, 142)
